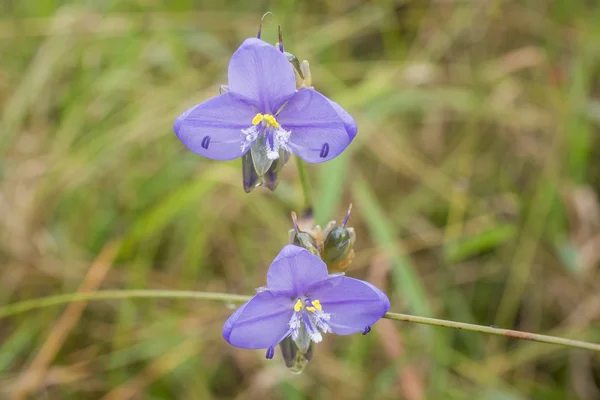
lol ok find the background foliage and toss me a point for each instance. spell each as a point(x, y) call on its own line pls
point(473, 178)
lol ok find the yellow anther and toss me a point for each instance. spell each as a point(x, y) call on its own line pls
point(298, 306)
point(311, 309)
point(257, 119)
point(271, 120)
point(317, 305)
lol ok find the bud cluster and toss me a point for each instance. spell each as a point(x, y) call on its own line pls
point(334, 244)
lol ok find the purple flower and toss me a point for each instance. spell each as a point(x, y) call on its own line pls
point(302, 301)
point(264, 112)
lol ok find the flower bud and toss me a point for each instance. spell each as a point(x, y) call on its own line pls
point(272, 176)
point(295, 359)
point(301, 70)
point(249, 176)
point(258, 169)
point(338, 249)
point(303, 239)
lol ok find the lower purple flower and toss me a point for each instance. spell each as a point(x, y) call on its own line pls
point(303, 302)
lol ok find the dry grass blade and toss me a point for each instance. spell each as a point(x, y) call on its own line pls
point(33, 377)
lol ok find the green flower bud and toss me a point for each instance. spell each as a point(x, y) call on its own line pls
point(258, 169)
point(250, 178)
point(301, 71)
point(295, 359)
point(272, 176)
point(338, 246)
point(303, 239)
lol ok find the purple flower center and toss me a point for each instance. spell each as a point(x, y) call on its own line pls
point(267, 138)
point(308, 322)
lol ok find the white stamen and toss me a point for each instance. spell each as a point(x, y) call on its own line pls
point(281, 138)
point(319, 318)
point(250, 136)
point(308, 323)
point(315, 336)
point(313, 332)
point(280, 141)
point(294, 325)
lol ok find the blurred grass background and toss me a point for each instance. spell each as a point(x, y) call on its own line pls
point(474, 181)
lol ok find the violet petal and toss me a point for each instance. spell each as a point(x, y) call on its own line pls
point(213, 129)
point(318, 132)
point(294, 270)
point(262, 75)
point(353, 304)
point(349, 123)
point(260, 323)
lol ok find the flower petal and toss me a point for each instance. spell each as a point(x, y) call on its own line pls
point(353, 304)
point(294, 270)
point(318, 132)
point(349, 123)
point(260, 323)
point(261, 74)
point(213, 129)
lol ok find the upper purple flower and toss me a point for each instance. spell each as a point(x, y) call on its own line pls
point(263, 107)
point(302, 301)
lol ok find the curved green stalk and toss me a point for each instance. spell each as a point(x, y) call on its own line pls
point(43, 302)
point(304, 181)
point(494, 331)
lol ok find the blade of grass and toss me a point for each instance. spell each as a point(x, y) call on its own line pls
point(407, 282)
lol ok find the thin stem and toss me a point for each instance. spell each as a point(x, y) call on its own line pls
point(305, 186)
point(494, 331)
point(43, 302)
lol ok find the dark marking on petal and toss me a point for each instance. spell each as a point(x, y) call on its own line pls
point(205, 142)
point(324, 150)
point(270, 352)
point(367, 330)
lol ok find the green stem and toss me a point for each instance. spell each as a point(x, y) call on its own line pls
point(43, 302)
point(494, 331)
point(304, 181)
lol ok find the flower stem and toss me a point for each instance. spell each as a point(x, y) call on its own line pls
point(43, 302)
point(304, 181)
point(494, 331)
